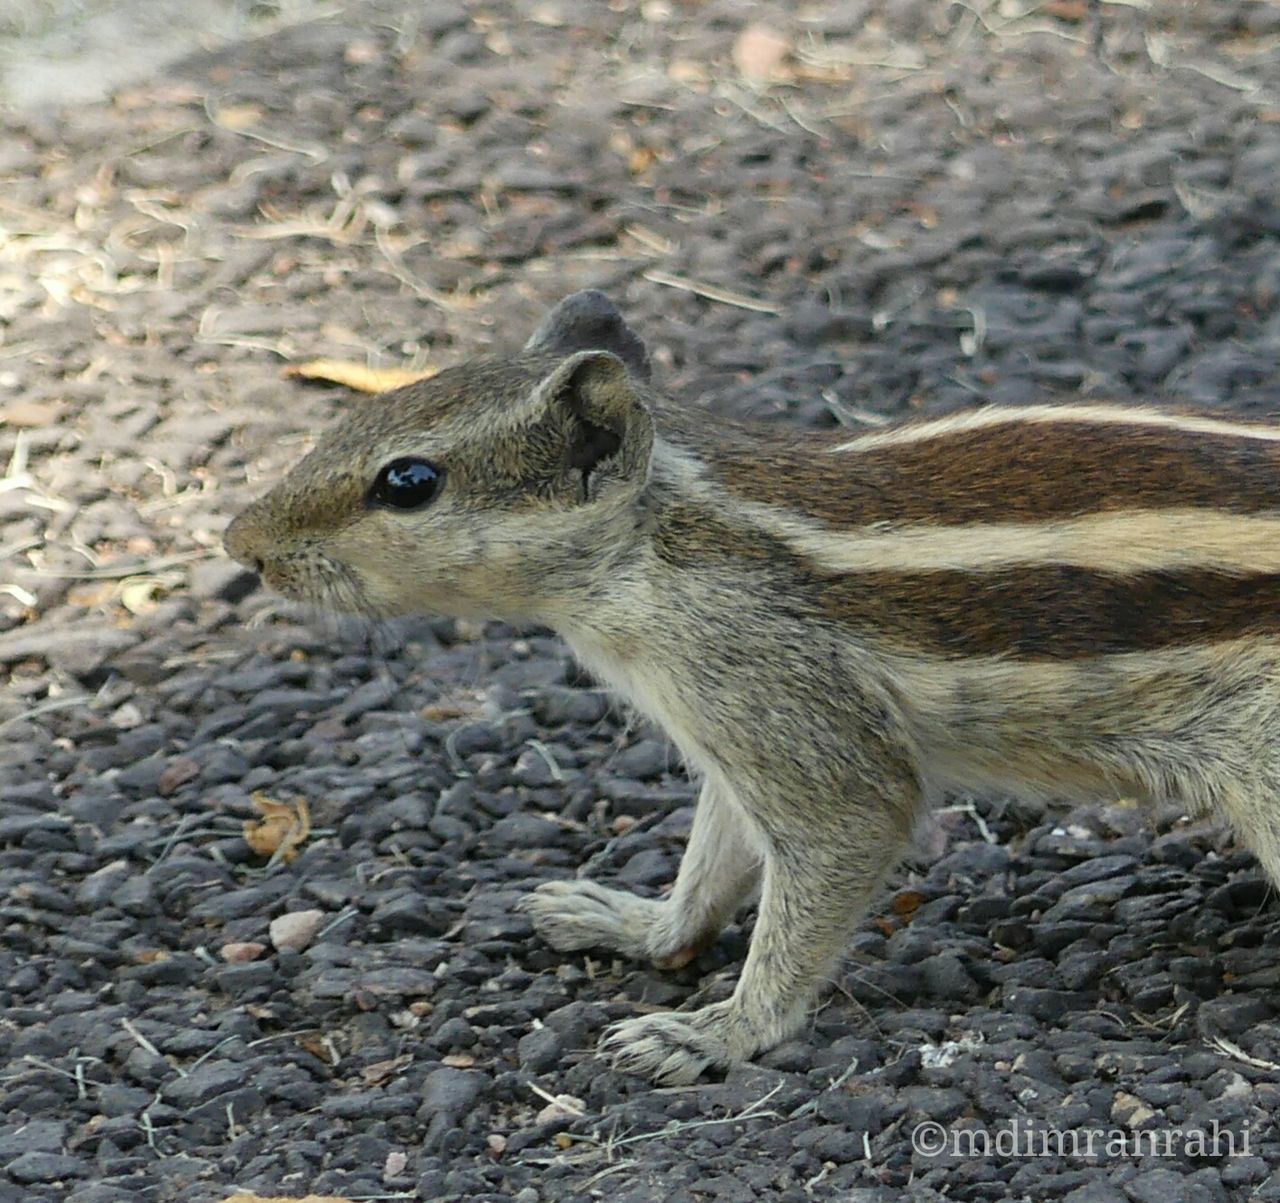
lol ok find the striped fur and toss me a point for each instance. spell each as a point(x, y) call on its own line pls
point(1065, 602)
point(1050, 532)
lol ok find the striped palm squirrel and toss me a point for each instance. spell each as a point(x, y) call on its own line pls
point(834, 628)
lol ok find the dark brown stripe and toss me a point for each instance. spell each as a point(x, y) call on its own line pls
point(1009, 472)
point(1050, 612)
point(1042, 612)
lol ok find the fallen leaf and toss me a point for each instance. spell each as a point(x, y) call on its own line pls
point(383, 1071)
point(177, 773)
point(458, 1060)
point(759, 52)
point(906, 903)
point(356, 375)
point(459, 706)
point(320, 1048)
point(282, 829)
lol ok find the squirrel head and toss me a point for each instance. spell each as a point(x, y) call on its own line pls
point(483, 491)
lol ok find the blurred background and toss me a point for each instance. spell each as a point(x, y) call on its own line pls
point(61, 51)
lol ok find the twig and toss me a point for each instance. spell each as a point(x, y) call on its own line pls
point(132, 1028)
point(834, 1084)
point(1223, 1045)
point(77, 1077)
point(711, 292)
point(542, 750)
point(146, 568)
point(556, 1100)
point(751, 1112)
point(967, 808)
point(45, 707)
point(317, 154)
point(406, 277)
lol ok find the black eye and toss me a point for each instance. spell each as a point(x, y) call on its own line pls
point(406, 484)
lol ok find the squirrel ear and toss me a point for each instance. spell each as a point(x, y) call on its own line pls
point(604, 418)
point(589, 321)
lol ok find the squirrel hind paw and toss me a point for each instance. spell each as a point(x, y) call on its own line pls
point(670, 1049)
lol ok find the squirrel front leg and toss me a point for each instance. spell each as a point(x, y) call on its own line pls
point(819, 876)
point(719, 869)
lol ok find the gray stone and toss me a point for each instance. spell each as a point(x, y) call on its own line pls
point(35, 1166)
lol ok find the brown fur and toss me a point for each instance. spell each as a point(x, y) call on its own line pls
point(1051, 612)
point(1002, 474)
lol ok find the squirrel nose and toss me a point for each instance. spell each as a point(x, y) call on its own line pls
point(239, 541)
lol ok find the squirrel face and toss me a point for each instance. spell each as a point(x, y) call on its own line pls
point(476, 492)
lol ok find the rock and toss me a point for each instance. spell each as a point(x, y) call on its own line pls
point(294, 930)
point(450, 1091)
point(33, 1167)
point(646, 760)
point(540, 1051)
point(203, 1083)
point(38, 1136)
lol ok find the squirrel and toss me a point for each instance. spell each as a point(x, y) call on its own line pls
point(834, 628)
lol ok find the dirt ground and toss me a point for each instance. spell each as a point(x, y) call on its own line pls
point(858, 211)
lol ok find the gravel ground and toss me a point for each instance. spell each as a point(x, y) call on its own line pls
point(920, 207)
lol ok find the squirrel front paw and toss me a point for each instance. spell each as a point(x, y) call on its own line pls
point(676, 1048)
point(576, 915)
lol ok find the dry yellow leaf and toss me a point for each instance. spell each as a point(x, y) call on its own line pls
point(321, 1049)
point(283, 828)
point(356, 375)
point(383, 1071)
